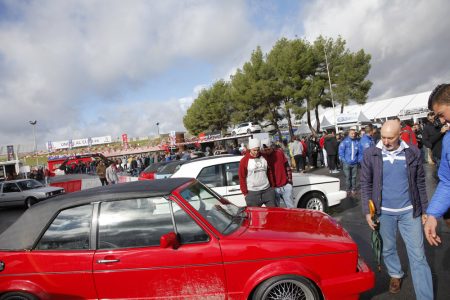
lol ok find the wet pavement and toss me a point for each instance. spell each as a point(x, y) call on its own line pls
point(349, 214)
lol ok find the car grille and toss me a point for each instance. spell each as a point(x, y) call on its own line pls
point(54, 193)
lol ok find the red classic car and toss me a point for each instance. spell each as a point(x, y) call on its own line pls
point(175, 238)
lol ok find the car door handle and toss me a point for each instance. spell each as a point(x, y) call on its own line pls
point(107, 261)
point(234, 190)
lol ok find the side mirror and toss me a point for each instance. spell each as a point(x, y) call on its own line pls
point(169, 240)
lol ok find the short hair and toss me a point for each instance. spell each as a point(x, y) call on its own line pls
point(440, 94)
point(369, 127)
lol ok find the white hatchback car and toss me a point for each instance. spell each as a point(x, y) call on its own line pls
point(246, 128)
point(220, 173)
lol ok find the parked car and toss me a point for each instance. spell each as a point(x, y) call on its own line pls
point(26, 192)
point(149, 172)
point(171, 167)
point(175, 238)
point(246, 128)
point(220, 173)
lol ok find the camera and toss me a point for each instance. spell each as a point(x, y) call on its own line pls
point(437, 123)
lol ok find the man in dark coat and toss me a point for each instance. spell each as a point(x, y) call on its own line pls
point(331, 146)
point(392, 175)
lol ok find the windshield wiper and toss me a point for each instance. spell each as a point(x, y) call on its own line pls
point(240, 215)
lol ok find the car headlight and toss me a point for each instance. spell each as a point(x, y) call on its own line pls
point(48, 194)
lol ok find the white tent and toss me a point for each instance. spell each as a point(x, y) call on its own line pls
point(405, 107)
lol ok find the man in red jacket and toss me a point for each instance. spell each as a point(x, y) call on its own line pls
point(407, 134)
point(281, 171)
point(254, 174)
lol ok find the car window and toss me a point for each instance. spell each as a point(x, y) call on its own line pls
point(211, 176)
point(70, 230)
point(189, 231)
point(133, 223)
point(232, 173)
point(10, 188)
point(141, 223)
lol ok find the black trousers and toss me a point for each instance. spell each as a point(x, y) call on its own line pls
point(332, 162)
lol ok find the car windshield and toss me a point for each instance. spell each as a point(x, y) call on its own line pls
point(154, 167)
point(170, 168)
point(29, 184)
point(224, 216)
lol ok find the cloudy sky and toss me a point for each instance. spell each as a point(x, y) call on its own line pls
point(90, 68)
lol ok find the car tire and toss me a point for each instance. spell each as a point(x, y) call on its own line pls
point(29, 202)
point(18, 296)
point(286, 287)
point(314, 201)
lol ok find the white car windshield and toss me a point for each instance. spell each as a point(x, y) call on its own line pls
point(224, 216)
point(29, 184)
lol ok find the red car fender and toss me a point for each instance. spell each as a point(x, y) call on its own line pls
point(278, 268)
point(23, 286)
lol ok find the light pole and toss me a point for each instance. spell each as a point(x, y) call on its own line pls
point(33, 123)
point(331, 90)
point(157, 127)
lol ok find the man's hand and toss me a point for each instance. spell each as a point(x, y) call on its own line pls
point(370, 222)
point(430, 231)
point(444, 128)
point(424, 219)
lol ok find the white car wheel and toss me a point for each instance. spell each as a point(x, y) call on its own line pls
point(314, 201)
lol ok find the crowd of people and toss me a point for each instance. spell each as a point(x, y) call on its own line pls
point(392, 177)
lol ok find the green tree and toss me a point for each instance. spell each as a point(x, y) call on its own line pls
point(211, 110)
point(347, 73)
point(255, 92)
point(293, 64)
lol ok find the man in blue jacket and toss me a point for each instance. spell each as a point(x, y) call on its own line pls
point(366, 141)
point(392, 175)
point(349, 156)
point(439, 102)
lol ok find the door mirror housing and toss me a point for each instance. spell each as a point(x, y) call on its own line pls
point(169, 240)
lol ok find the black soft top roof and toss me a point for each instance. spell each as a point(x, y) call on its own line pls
point(24, 232)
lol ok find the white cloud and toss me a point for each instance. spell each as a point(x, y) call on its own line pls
point(408, 39)
point(59, 58)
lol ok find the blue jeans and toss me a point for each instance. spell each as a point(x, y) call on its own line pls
point(284, 194)
point(412, 234)
point(350, 172)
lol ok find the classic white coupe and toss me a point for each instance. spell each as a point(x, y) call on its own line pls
point(220, 173)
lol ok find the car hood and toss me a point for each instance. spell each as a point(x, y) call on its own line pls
point(306, 179)
point(275, 232)
point(45, 189)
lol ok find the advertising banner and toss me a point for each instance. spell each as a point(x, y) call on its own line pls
point(78, 143)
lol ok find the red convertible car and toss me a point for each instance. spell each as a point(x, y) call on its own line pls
point(177, 239)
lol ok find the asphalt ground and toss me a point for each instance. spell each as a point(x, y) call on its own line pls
point(349, 214)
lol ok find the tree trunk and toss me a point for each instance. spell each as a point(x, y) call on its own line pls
point(316, 111)
point(288, 114)
point(308, 118)
point(275, 123)
point(342, 108)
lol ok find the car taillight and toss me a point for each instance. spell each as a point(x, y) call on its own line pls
point(146, 176)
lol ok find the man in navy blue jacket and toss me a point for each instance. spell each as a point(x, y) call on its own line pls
point(439, 102)
point(392, 175)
